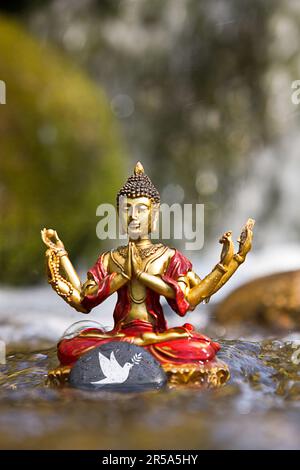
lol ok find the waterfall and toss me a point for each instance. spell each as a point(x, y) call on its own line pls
point(269, 193)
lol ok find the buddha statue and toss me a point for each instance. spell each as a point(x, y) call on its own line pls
point(140, 273)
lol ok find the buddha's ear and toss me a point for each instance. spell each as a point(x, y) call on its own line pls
point(154, 217)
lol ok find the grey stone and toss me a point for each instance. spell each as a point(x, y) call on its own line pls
point(118, 366)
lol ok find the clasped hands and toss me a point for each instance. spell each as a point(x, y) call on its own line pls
point(133, 265)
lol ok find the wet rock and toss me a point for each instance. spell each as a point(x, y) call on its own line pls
point(118, 366)
point(272, 301)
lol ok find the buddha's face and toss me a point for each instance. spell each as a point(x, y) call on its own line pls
point(136, 215)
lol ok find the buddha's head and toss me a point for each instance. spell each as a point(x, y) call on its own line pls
point(138, 205)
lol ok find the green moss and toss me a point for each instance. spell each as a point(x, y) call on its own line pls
point(61, 155)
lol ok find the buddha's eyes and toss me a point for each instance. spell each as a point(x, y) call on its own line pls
point(141, 208)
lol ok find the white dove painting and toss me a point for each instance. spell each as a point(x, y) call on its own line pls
point(115, 373)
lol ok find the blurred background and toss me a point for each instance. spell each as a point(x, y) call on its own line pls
point(201, 92)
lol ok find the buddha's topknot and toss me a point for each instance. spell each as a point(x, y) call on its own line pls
point(139, 185)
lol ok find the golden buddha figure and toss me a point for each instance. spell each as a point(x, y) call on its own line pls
point(140, 272)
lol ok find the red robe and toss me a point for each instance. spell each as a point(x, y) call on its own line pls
point(195, 348)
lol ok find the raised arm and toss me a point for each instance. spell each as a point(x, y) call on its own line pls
point(223, 271)
point(65, 281)
point(245, 245)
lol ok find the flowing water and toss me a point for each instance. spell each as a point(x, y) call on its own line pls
point(258, 408)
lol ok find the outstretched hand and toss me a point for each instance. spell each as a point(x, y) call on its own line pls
point(51, 240)
point(245, 240)
point(245, 243)
point(228, 248)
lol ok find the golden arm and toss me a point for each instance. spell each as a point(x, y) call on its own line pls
point(157, 284)
point(194, 289)
point(186, 283)
point(206, 287)
point(63, 277)
point(225, 269)
point(65, 283)
point(203, 289)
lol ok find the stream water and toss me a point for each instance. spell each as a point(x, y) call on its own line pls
point(258, 408)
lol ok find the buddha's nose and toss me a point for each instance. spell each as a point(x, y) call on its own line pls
point(133, 214)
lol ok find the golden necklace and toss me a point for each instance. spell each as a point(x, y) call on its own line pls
point(143, 252)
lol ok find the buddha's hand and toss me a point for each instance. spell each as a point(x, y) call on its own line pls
point(245, 240)
point(52, 241)
point(137, 265)
point(228, 248)
point(127, 270)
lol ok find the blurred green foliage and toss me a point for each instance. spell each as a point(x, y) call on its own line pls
point(61, 155)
